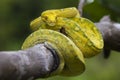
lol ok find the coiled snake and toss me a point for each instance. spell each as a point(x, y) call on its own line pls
point(71, 36)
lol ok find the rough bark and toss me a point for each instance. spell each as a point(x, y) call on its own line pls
point(29, 64)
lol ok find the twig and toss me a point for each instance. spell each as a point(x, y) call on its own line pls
point(80, 6)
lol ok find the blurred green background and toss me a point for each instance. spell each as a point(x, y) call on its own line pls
point(15, 16)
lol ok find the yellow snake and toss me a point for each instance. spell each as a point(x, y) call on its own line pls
point(72, 36)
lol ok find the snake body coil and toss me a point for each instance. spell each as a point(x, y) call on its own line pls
point(66, 49)
point(82, 31)
point(70, 35)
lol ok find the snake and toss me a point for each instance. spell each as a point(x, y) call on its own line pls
point(73, 37)
point(81, 30)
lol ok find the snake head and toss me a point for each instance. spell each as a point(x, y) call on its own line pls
point(49, 17)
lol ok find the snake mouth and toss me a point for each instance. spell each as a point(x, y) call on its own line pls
point(51, 23)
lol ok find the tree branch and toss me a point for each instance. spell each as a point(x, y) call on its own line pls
point(110, 31)
point(29, 64)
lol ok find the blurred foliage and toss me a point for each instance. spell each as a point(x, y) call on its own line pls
point(99, 8)
point(15, 16)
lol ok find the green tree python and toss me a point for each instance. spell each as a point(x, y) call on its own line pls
point(73, 37)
